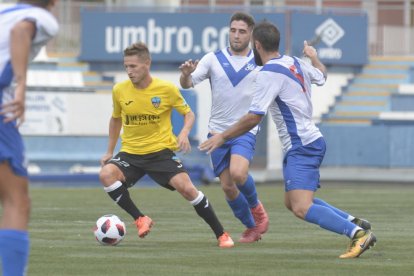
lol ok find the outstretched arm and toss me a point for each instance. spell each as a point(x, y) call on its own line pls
point(246, 123)
point(186, 69)
point(310, 52)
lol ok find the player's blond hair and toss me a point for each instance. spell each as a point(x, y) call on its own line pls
point(139, 49)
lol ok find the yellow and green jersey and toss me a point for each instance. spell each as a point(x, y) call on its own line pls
point(146, 115)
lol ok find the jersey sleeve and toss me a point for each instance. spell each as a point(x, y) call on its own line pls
point(46, 25)
point(116, 107)
point(315, 75)
point(202, 71)
point(264, 92)
point(179, 102)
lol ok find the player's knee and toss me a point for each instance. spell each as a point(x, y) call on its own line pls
point(104, 175)
point(108, 175)
point(238, 176)
point(288, 205)
point(230, 191)
point(298, 210)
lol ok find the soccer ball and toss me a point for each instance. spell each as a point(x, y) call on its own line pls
point(109, 230)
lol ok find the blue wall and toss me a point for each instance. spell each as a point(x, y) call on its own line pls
point(401, 102)
point(177, 119)
point(383, 145)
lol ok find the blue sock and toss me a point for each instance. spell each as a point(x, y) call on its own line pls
point(319, 201)
point(14, 251)
point(249, 191)
point(242, 211)
point(329, 220)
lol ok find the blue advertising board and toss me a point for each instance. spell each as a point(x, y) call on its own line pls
point(171, 37)
point(339, 39)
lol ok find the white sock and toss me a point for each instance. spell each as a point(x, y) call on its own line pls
point(354, 231)
point(113, 187)
point(198, 199)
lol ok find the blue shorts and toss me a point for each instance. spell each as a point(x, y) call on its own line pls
point(243, 145)
point(12, 148)
point(301, 166)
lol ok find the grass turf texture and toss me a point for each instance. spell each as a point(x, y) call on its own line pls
point(62, 241)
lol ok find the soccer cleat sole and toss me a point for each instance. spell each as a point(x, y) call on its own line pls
point(255, 239)
point(244, 241)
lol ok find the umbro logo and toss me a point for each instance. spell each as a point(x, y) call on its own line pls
point(250, 67)
point(128, 103)
point(330, 32)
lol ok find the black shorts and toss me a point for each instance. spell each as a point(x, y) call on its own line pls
point(161, 166)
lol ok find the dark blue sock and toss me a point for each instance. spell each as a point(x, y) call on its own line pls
point(14, 251)
point(249, 191)
point(242, 211)
point(329, 220)
point(319, 201)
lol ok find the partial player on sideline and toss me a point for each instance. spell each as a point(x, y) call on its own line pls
point(24, 29)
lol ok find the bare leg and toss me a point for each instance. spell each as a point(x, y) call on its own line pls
point(14, 238)
point(182, 183)
point(15, 200)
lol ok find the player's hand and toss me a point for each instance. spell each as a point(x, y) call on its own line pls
point(107, 156)
point(188, 67)
point(13, 110)
point(183, 143)
point(309, 51)
point(212, 143)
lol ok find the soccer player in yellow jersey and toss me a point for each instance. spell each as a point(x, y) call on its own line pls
point(142, 107)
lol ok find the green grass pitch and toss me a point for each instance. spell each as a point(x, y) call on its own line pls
point(62, 241)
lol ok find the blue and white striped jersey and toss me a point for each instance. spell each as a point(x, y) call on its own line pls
point(283, 86)
point(231, 78)
point(11, 142)
point(46, 28)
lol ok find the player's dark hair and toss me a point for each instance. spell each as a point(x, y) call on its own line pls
point(139, 49)
point(241, 16)
point(268, 35)
point(39, 3)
